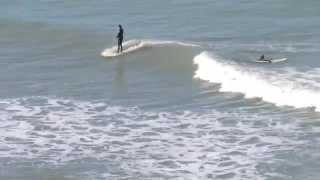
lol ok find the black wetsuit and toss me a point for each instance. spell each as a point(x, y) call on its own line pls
point(120, 39)
point(263, 59)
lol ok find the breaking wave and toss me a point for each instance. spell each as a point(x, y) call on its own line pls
point(280, 88)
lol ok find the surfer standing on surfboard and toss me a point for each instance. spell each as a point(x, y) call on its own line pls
point(120, 38)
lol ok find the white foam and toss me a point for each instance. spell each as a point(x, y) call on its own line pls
point(252, 83)
point(185, 144)
point(135, 45)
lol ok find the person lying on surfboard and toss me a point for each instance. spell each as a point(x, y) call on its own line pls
point(263, 59)
point(120, 38)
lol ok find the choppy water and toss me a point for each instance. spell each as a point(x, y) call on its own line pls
point(187, 103)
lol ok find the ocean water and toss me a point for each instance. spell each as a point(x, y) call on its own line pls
point(188, 101)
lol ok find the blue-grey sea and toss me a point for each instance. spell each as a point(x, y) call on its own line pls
point(186, 102)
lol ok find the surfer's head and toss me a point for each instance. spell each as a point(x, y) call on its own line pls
point(120, 26)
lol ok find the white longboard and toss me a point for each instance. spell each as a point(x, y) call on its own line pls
point(131, 46)
point(128, 47)
point(272, 60)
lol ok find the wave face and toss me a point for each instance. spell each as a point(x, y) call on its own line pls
point(135, 45)
point(289, 88)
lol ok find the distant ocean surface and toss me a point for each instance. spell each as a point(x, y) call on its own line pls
point(189, 102)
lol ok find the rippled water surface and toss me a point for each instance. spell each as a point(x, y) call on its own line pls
point(187, 101)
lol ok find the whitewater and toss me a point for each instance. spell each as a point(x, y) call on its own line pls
point(275, 87)
point(188, 144)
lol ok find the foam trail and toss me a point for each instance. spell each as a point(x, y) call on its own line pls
point(135, 45)
point(234, 78)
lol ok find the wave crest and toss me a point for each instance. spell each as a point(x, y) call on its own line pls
point(235, 78)
point(135, 45)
